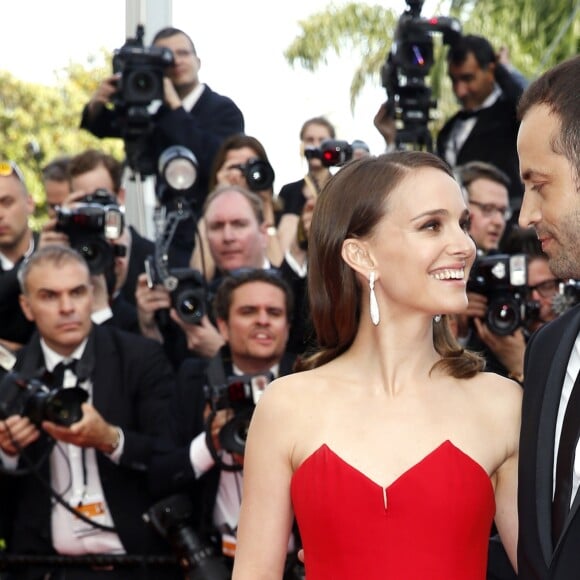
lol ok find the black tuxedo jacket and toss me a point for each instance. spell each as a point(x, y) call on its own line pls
point(493, 140)
point(171, 471)
point(545, 365)
point(131, 386)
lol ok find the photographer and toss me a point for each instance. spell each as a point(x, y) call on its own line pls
point(95, 456)
point(253, 312)
point(191, 115)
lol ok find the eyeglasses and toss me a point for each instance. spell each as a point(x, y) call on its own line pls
point(489, 209)
point(8, 168)
point(182, 53)
point(547, 288)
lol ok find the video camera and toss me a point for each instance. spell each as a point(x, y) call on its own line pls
point(171, 517)
point(90, 226)
point(141, 83)
point(240, 394)
point(407, 64)
point(503, 280)
point(332, 152)
point(33, 399)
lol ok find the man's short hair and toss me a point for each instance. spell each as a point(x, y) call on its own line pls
point(56, 255)
point(252, 198)
point(170, 31)
point(93, 158)
point(469, 172)
point(479, 46)
point(557, 88)
point(57, 169)
point(236, 278)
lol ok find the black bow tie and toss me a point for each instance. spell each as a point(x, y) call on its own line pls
point(57, 375)
point(464, 115)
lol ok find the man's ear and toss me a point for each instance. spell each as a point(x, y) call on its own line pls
point(25, 305)
point(357, 255)
point(121, 196)
point(223, 328)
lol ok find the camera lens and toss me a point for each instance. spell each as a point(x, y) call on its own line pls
point(96, 251)
point(189, 306)
point(259, 175)
point(141, 86)
point(503, 316)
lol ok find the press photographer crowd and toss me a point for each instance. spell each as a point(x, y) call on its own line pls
point(130, 367)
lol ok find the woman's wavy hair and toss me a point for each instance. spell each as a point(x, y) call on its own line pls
point(351, 205)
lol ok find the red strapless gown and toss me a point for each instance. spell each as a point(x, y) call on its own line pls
point(432, 523)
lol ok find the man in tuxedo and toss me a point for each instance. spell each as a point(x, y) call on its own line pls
point(548, 502)
point(96, 464)
point(17, 241)
point(191, 115)
point(253, 311)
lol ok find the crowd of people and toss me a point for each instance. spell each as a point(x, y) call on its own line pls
point(393, 442)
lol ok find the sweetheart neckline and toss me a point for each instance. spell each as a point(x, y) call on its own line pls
point(405, 473)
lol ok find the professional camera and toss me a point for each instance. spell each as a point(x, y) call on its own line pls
point(90, 225)
point(186, 286)
point(568, 296)
point(407, 64)
point(141, 82)
point(259, 174)
point(171, 517)
point(240, 394)
point(332, 152)
point(503, 280)
point(33, 399)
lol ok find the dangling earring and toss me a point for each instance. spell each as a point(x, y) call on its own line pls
point(437, 318)
point(374, 305)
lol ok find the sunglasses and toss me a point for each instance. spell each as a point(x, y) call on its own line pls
point(8, 168)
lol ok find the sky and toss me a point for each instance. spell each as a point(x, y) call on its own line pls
point(241, 47)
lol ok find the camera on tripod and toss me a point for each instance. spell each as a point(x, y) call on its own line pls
point(90, 226)
point(503, 280)
point(407, 65)
point(332, 152)
point(240, 394)
point(33, 399)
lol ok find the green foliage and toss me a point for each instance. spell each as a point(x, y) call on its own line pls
point(48, 116)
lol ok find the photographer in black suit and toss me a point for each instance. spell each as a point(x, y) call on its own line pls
point(191, 115)
point(253, 311)
point(97, 463)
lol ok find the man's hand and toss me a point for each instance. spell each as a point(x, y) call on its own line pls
point(385, 123)
point(91, 431)
point(170, 95)
point(104, 93)
point(149, 300)
point(204, 339)
point(17, 432)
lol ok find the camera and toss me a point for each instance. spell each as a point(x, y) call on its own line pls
point(332, 152)
point(171, 517)
point(141, 83)
point(407, 64)
point(240, 394)
point(259, 174)
point(186, 286)
point(568, 296)
point(90, 225)
point(503, 280)
point(33, 399)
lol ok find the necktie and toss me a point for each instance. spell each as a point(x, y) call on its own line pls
point(565, 462)
point(59, 370)
point(463, 115)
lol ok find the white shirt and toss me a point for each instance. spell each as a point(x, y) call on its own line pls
point(571, 374)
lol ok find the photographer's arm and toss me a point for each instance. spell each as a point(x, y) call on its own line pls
point(203, 339)
point(149, 301)
point(97, 117)
point(16, 433)
point(510, 83)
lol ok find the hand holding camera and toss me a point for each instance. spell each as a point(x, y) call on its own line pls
point(16, 433)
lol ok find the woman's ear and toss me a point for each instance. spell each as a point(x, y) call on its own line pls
point(356, 254)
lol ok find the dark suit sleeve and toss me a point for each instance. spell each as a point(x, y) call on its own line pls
point(101, 124)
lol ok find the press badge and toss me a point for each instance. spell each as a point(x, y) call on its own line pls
point(93, 508)
point(229, 540)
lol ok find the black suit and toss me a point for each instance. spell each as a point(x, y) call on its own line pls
point(131, 385)
point(546, 360)
point(172, 472)
point(202, 130)
point(494, 136)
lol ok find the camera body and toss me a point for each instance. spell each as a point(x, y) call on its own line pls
point(186, 286)
point(33, 399)
point(90, 226)
point(407, 65)
point(332, 152)
point(502, 278)
point(240, 394)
